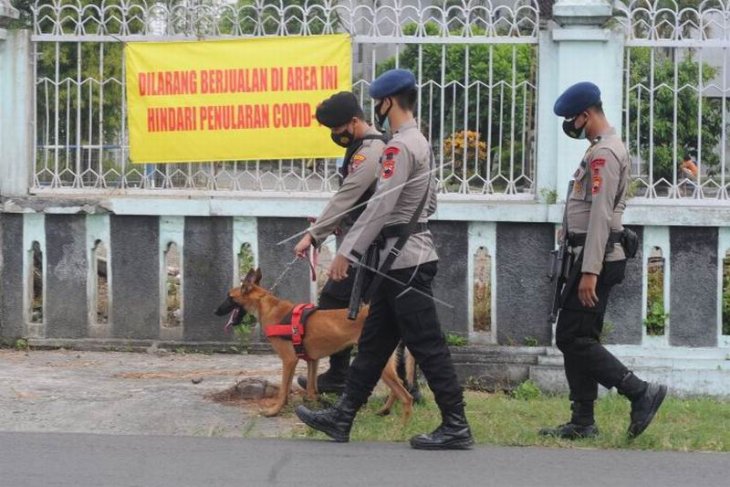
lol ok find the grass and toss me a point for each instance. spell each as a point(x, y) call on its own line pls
point(498, 419)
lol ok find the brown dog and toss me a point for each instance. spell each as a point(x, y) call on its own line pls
point(326, 332)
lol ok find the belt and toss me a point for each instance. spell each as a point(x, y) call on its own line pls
point(392, 231)
point(579, 239)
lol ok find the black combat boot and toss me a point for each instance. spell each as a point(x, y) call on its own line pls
point(332, 381)
point(452, 434)
point(581, 425)
point(335, 421)
point(645, 401)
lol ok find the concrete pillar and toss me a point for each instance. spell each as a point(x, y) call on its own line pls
point(576, 47)
point(16, 104)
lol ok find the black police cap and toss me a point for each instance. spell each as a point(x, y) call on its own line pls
point(338, 109)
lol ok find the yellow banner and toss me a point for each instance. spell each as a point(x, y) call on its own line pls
point(233, 99)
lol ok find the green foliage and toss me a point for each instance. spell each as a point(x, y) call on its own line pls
point(687, 109)
point(656, 318)
point(21, 344)
point(25, 21)
point(688, 424)
point(527, 391)
point(80, 63)
point(271, 11)
point(454, 340)
point(633, 188)
point(244, 331)
point(495, 62)
point(608, 328)
point(549, 195)
point(531, 341)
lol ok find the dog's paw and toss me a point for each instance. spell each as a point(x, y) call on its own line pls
point(269, 412)
point(383, 412)
point(313, 398)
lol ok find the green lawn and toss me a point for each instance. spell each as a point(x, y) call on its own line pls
point(498, 419)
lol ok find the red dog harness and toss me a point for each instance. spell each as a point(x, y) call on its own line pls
point(294, 329)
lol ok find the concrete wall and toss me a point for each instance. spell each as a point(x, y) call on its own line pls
point(209, 263)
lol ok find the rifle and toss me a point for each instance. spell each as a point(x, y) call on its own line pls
point(560, 264)
point(369, 259)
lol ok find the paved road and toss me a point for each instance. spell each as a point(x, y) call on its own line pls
point(81, 460)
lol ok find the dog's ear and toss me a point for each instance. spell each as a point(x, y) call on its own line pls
point(249, 279)
point(257, 280)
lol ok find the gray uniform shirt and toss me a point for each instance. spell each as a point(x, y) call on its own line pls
point(598, 199)
point(362, 174)
point(404, 179)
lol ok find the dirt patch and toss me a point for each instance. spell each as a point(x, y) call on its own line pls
point(245, 391)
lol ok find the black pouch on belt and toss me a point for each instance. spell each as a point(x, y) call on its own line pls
point(630, 242)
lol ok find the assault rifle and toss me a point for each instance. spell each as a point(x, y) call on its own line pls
point(360, 285)
point(560, 264)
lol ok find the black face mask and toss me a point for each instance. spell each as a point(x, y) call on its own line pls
point(343, 139)
point(572, 131)
point(382, 118)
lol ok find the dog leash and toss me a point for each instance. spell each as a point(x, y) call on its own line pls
point(289, 266)
point(283, 273)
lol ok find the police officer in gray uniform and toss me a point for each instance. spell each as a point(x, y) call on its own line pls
point(401, 306)
point(342, 114)
point(595, 208)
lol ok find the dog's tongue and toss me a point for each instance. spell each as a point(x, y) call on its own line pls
point(233, 318)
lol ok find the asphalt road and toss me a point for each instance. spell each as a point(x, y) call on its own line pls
point(80, 460)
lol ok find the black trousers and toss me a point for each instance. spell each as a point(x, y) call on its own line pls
point(578, 332)
point(397, 312)
point(336, 295)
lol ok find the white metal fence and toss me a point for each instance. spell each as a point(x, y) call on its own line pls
point(676, 87)
point(475, 61)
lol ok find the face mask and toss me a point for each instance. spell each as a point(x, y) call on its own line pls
point(343, 139)
point(385, 127)
point(382, 118)
point(572, 131)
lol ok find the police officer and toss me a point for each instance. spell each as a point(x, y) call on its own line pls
point(401, 306)
point(342, 114)
point(594, 209)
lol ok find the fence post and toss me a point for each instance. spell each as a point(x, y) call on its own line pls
point(577, 47)
point(16, 102)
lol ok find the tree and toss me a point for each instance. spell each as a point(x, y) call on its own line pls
point(688, 102)
point(512, 71)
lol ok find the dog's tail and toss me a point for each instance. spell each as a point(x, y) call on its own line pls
point(401, 364)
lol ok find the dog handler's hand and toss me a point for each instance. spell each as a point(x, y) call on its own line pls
point(587, 290)
point(338, 268)
point(301, 248)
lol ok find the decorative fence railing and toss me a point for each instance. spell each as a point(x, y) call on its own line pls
point(476, 64)
point(676, 88)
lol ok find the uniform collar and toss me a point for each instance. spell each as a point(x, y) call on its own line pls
point(606, 133)
point(372, 131)
point(406, 126)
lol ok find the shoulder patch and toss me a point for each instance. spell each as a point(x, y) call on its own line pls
point(597, 180)
point(356, 160)
point(388, 168)
point(390, 152)
point(596, 163)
